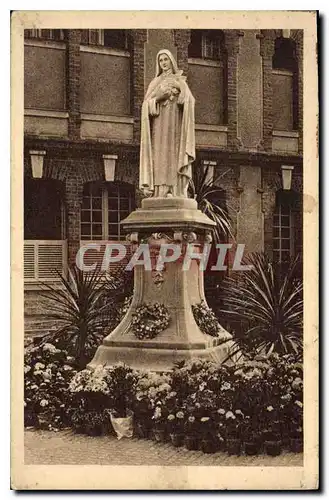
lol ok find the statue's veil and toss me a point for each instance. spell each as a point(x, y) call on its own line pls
point(172, 59)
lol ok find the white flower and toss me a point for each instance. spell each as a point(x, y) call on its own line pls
point(191, 419)
point(238, 412)
point(204, 419)
point(226, 386)
point(221, 411)
point(180, 414)
point(230, 414)
point(171, 417)
point(50, 348)
point(299, 403)
point(157, 412)
point(27, 368)
point(38, 366)
point(43, 402)
point(270, 408)
point(67, 368)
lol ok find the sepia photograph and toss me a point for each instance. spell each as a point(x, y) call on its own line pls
point(165, 179)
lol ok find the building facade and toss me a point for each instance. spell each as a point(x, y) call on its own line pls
point(83, 92)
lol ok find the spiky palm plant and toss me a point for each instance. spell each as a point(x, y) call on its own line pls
point(266, 303)
point(210, 201)
point(82, 306)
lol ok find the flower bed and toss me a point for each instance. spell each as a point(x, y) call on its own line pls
point(253, 407)
point(47, 374)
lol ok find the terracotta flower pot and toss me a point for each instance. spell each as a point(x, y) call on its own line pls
point(94, 430)
point(273, 448)
point(252, 448)
point(192, 442)
point(142, 431)
point(296, 445)
point(233, 446)
point(160, 435)
point(177, 439)
point(209, 445)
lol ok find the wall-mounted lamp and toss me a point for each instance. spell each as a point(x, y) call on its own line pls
point(37, 163)
point(109, 166)
point(286, 176)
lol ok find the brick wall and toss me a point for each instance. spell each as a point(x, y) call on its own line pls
point(73, 83)
point(139, 37)
point(232, 47)
point(267, 50)
point(298, 36)
point(182, 40)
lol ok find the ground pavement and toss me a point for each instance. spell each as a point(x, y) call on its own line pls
point(67, 448)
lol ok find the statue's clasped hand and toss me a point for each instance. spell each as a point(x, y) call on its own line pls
point(168, 91)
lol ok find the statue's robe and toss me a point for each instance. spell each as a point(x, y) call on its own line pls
point(167, 135)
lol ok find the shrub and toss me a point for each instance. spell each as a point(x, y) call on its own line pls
point(268, 306)
point(87, 307)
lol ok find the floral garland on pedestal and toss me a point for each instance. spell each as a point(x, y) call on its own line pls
point(148, 320)
point(206, 319)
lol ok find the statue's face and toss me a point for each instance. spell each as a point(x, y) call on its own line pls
point(164, 62)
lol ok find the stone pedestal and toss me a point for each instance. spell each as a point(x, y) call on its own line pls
point(176, 221)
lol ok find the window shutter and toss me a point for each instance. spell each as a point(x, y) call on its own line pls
point(50, 259)
point(29, 261)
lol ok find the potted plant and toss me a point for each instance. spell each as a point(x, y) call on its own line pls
point(252, 443)
point(176, 428)
point(142, 416)
point(233, 432)
point(121, 383)
point(191, 433)
point(272, 443)
point(94, 423)
point(209, 440)
point(296, 443)
point(159, 419)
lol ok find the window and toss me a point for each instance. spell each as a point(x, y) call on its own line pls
point(103, 207)
point(57, 35)
point(285, 91)
point(283, 234)
point(114, 39)
point(205, 44)
point(44, 214)
point(207, 76)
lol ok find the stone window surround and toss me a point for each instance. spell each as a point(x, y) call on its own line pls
point(47, 44)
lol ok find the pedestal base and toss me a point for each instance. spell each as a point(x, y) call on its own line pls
point(157, 360)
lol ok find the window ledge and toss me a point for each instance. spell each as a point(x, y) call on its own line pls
point(107, 118)
point(286, 133)
point(284, 72)
point(211, 128)
point(99, 49)
point(46, 44)
point(46, 113)
point(204, 62)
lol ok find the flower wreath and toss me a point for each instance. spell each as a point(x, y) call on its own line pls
point(206, 319)
point(148, 320)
